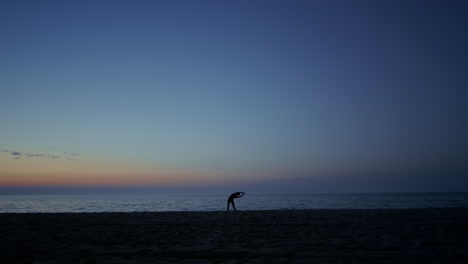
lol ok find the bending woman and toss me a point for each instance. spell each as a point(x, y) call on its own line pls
point(231, 199)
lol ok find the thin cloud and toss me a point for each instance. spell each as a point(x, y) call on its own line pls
point(44, 156)
point(33, 155)
point(71, 154)
point(29, 155)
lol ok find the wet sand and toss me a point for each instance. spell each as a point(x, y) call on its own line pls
point(283, 236)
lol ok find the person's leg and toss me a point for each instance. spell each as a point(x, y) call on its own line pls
point(233, 205)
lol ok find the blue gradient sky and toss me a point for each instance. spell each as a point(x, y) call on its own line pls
point(277, 95)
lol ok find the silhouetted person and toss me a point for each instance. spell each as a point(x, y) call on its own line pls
point(231, 199)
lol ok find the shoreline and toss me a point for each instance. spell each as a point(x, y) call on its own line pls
point(254, 236)
point(240, 210)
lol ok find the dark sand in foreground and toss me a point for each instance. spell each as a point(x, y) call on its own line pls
point(284, 236)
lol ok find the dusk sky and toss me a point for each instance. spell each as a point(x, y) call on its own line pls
point(268, 96)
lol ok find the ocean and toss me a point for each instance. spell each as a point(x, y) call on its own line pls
point(156, 202)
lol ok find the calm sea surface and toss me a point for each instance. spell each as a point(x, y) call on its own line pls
point(145, 203)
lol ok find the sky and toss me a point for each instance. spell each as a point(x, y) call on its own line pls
point(267, 96)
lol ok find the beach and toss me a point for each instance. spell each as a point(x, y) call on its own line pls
point(270, 236)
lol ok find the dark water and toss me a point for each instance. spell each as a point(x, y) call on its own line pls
point(141, 203)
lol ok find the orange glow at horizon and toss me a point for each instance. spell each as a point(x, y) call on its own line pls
point(32, 172)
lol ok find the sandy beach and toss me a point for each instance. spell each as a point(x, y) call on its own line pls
point(282, 236)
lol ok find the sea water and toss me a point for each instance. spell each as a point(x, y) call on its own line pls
point(216, 202)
